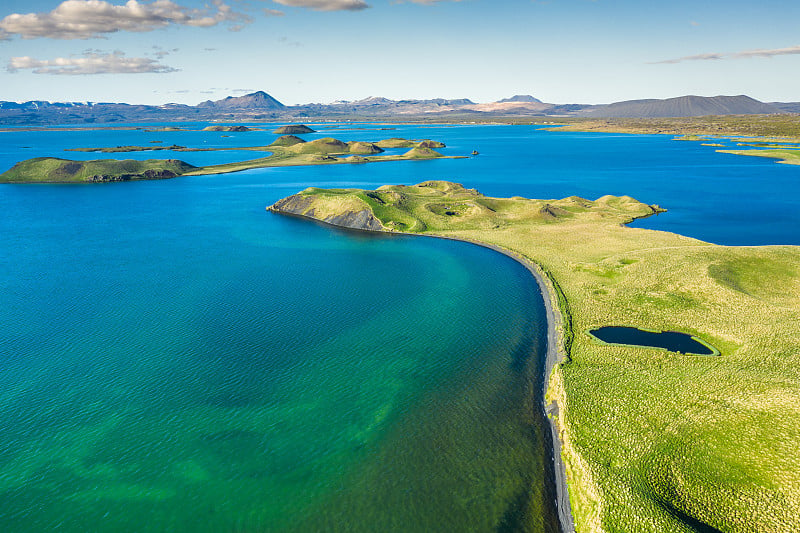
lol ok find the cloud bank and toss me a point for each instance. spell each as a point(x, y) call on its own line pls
point(91, 62)
point(326, 5)
point(87, 19)
point(791, 50)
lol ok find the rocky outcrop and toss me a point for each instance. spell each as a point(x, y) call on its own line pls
point(104, 178)
point(150, 174)
point(357, 220)
point(427, 143)
point(303, 206)
point(154, 174)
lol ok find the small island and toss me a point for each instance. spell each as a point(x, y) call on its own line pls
point(293, 129)
point(658, 435)
point(54, 170)
point(234, 129)
point(285, 151)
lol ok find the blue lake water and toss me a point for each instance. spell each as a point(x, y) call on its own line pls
point(170, 350)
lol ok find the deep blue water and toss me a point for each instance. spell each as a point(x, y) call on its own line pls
point(169, 349)
point(673, 341)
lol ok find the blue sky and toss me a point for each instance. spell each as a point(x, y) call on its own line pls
point(300, 51)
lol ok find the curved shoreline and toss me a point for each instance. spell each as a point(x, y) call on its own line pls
point(555, 353)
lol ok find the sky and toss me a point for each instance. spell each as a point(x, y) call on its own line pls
point(303, 51)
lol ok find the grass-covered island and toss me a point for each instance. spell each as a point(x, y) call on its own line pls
point(293, 129)
point(284, 151)
point(652, 440)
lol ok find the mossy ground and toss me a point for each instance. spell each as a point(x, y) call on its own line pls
point(51, 169)
point(782, 125)
point(654, 441)
point(786, 155)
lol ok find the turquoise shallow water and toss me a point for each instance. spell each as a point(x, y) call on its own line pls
point(172, 351)
point(174, 358)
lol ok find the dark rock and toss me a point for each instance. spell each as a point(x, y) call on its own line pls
point(427, 143)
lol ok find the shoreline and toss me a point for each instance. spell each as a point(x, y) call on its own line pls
point(556, 353)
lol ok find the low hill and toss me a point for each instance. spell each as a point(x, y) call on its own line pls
point(682, 106)
point(293, 129)
point(421, 152)
point(287, 140)
point(364, 148)
point(326, 145)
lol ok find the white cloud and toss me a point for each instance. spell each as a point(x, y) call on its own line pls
point(698, 57)
point(86, 19)
point(791, 50)
point(326, 5)
point(92, 62)
point(429, 2)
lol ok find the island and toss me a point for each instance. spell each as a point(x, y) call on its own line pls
point(284, 151)
point(131, 148)
point(652, 440)
point(293, 129)
point(235, 129)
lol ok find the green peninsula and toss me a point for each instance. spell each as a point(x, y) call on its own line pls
point(787, 155)
point(652, 440)
point(285, 151)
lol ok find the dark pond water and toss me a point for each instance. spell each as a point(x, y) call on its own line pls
point(673, 341)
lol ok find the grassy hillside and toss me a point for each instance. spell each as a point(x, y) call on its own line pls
point(51, 169)
point(653, 441)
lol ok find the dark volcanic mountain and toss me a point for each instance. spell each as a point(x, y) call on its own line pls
point(521, 98)
point(683, 106)
point(787, 107)
point(256, 100)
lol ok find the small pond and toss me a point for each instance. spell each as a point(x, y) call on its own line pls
point(673, 341)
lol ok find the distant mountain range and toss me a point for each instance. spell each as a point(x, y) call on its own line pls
point(683, 106)
point(261, 106)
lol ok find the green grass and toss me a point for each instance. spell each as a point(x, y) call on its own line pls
point(790, 157)
point(285, 153)
point(780, 125)
point(652, 440)
point(50, 169)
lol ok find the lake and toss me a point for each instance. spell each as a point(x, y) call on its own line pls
point(170, 350)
